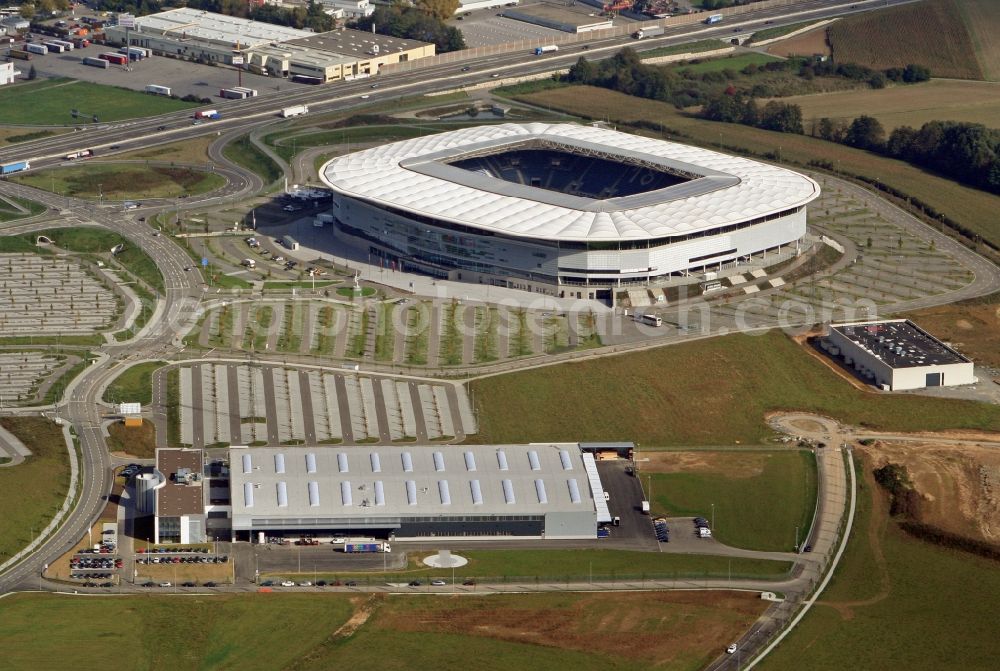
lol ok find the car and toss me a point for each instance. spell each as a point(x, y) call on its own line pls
point(166, 584)
point(107, 584)
point(374, 86)
point(351, 583)
point(211, 584)
point(305, 583)
point(468, 582)
point(187, 268)
point(466, 68)
point(115, 146)
point(131, 205)
point(156, 234)
point(807, 548)
point(278, 259)
point(338, 539)
point(148, 584)
point(287, 583)
point(365, 97)
point(161, 128)
point(415, 583)
point(196, 122)
point(438, 583)
point(495, 75)
point(320, 583)
point(188, 584)
point(266, 583)
point(731, 649)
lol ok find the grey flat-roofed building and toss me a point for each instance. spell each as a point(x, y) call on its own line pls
point(545, 490)
point(180, 496)
point(558, 17)
point(898, 355)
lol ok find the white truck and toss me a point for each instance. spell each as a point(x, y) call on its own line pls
point(294, 110)
point(643, 33)
point(249, 263)
point(546, 49)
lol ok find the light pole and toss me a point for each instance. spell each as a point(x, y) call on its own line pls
point(713, 516)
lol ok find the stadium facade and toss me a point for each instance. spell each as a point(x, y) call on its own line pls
point(562, 209)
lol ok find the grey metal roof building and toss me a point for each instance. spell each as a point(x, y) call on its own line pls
point(544, 490)
point(897, 354)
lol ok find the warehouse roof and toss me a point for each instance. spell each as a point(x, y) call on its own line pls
point(198, 24)
point(378, 482)
point(413, 175)
point(899, 343)
point(357, 43)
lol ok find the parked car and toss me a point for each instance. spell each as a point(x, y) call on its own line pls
point(438, 583)
point(287, 583)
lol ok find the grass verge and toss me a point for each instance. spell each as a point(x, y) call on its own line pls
point(134, 385)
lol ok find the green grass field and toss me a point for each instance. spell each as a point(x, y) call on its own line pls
point(31, 493)
point(498, 566)
point(50, 101)
point(729, 63)
point(772, 33)
point(8, 212)
point(687, 48)
point(123, 181)
point(134, 385)
point(971, 208)
point(759, 498)
point(664, 399)
point(247, 631)
point(941, 603)
point(936, 100)
point(246, 154)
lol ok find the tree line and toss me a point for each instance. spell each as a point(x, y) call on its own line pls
point(422, 22)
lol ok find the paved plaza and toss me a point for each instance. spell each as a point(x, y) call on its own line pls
point(260, 404)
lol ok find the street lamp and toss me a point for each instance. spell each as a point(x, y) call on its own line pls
point(713, 516)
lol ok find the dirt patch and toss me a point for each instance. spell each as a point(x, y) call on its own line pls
point(807, 426)
point(360, 616)
point(974, 330)
point(733, 464)
point(806, 44)
point(959, 485)
point(628, 624)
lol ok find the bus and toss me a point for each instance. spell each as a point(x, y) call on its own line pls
point(649, 319)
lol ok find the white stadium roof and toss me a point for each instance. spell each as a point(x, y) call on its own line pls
point(407, 176)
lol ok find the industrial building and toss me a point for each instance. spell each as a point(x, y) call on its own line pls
point(176, 492)
point(559, 17)
point(466, 6)
point(896, 355)
point(8, 74)
point(414, 492)
point(266, 48)
point(562, 209)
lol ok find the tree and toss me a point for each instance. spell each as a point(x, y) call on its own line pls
point(866, 132)
point(439, 9)
point(27, 11)
point(781, 117)
point(583, 72)
point(916, 73)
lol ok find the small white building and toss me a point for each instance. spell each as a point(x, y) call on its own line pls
point(896, 355)
point(351, 9)
point(7, 73)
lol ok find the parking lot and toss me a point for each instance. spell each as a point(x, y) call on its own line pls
point(484, 28)
point(52, 296)
point(183, 77)
point(231, 404)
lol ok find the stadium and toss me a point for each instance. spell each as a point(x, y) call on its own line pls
point(562, 209)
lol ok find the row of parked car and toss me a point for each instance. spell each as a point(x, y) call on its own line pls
point(78, 562)
point(171, 551)
point(90, 576)
point(661, 529)
point(185, 559)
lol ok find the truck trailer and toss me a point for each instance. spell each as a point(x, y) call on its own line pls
point(296, 110)
point(17, 166)
point(156, 89)
point(33, 48)
point(95, 62)
point(19, 54)
point(117, 59)
point(643, 33)
point(207, 114)
point(378, 546)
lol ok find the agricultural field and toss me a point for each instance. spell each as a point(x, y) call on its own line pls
point(45, 474)
point(123, 181)
point(983, 22)
point(968, 207)
point(941, 603)
point(936, 100)
point(759, 497)
point(49, 101)
point(932, 34)
point(972, 327)
point(693, 405)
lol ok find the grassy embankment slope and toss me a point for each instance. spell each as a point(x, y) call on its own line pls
point(49, 102)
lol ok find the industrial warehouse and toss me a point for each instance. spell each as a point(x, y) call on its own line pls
point(562, 209)
point(550, 491)
point(265, 48)
point(897, 355)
